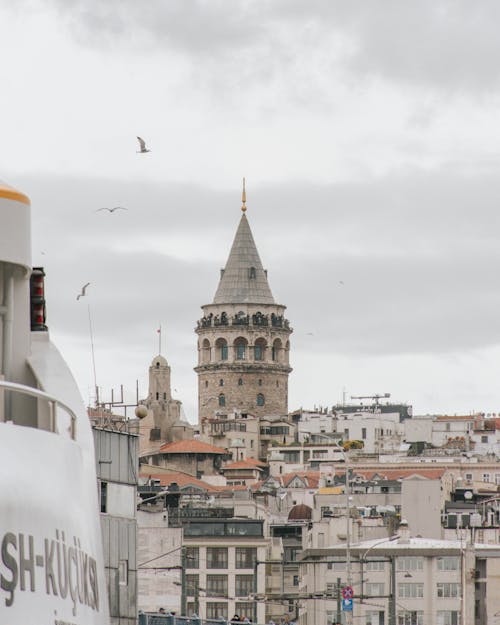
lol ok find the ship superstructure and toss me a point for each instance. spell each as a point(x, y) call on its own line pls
point(51, 565)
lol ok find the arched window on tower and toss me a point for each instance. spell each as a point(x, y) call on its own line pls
point(240, 348)
point(259, 349)
point(221, 382)
point(221, 348)
point(252, 273)
point(157, 365)
point(222, 400)
point(240, 382)
point(260, 399)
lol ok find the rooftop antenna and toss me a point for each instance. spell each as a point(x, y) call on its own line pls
point(93, 357)
point(243, 198)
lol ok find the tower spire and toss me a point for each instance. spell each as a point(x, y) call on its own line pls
point(243, 198)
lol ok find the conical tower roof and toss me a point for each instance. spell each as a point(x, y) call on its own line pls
point(243, 280)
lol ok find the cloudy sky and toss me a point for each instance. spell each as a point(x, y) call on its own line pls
point(370, 139)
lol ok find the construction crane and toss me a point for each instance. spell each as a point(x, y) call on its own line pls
point(374, 397)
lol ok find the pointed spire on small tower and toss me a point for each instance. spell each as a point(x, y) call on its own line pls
point(243, 198)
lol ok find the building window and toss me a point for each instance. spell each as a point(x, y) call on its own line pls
point(410, 563)
point(446, 590)
point(448, 617)
point(222, 400)
point(374, 617)
point(363, 433)
point(277, 383)
point(157, 395)
point(216, 610)
point(246, 557)
point(240, 382)
point(376, 565)
point(252, 274)
point(374, 589)
point(244, 585)
point(468, 477)
point(206, 383)
point(244, 609)
point(192, 558)
point(486, 477)
point(411, 617)
point(410, 591)
point(192, 585)
point(259, 382)
point(216, 557)
point(223, 351)
point(484, 439)
point(448, 563)
point(216, 585)
point(260, 399)
point(104, 497)
point(164, 396)
point(257, 352)
point(240, 350)
point(296, 582)
point(221, 382)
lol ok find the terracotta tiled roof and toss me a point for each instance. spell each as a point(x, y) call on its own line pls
point(456, 418)
point(311, 478)
point(244, 464)
point(191, 446)
point(182, 479)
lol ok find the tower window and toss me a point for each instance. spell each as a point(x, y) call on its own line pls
point(260, 399)
point(252, 274)
point(157, 365)
point(260, 382)
point(240, 382)
point(240, 348)
point(221, 382)
point(274, 353)
point(257, 354)
point(222, 400)
point(157, 395)
point(164, 396)
point(206, 383)
point(223, 352)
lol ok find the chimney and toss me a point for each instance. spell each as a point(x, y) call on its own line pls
point(404, 532)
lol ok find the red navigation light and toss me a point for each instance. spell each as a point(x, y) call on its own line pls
point(37, 300)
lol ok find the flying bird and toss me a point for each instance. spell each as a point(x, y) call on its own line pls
point(341, 282)
point(83, 293)
point(112, 210)
point(142, 145)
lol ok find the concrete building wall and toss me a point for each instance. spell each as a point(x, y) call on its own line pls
point(158, 553)
point(421, 506)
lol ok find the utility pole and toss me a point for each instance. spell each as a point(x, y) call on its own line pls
point(183, 582)
point(349, 615)
point(392, 599)
point(339, 601)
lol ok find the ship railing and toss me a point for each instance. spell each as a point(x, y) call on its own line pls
point(52, 402)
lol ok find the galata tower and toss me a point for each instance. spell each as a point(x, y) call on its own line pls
point(243, 338)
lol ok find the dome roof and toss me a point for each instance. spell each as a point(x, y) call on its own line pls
point(159, 360)
point(301, 512)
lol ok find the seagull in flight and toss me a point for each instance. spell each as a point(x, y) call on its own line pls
point(142, 145)
point(83, 293)
point(112, 210)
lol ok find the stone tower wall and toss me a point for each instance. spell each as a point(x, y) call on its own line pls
point(243, 356)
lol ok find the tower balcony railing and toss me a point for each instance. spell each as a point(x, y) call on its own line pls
point(9, 388)
point(258, 319)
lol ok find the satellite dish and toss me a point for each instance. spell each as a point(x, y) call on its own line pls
point(468, 494)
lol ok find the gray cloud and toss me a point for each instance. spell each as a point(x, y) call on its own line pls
point(437, 43)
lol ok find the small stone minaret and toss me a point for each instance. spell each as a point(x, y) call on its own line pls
point(243, 338)
point(163, 411)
